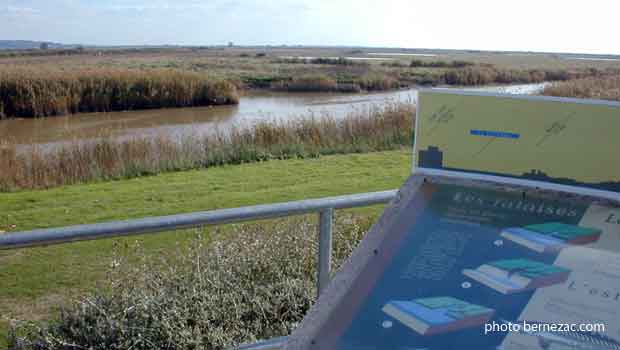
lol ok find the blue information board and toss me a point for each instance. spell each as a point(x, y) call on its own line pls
point(476, 268)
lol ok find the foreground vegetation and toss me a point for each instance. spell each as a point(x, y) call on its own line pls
point(30, 93)
point(35, 282)
point(606, 88)
point(375, 129)
point(256, 283)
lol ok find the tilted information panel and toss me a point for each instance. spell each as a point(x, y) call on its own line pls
point(452, 263)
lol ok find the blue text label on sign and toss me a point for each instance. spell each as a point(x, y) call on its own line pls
point(491, 133)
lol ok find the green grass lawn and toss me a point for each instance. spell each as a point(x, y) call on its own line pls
point(33, 281)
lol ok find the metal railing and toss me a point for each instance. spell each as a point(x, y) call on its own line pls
point(272, 344)
point(324, 206)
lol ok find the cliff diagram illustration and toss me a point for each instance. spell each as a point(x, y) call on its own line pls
point(517, 275)
point(430, 316)
point(434, 158)
point(550, 237)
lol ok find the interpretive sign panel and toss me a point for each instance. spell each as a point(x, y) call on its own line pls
point(456, 265)
point(556, 140)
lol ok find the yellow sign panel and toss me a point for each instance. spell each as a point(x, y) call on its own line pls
point(564, 141)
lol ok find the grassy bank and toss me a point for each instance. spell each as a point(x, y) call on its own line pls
point(375, 129)
point(31, 93)
point(606, 88)
point(35, 281)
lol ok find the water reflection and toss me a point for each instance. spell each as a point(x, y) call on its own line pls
point(258, 106)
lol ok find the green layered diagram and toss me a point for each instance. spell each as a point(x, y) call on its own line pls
point(429, 316)
point(551, 237)
point(517, 275)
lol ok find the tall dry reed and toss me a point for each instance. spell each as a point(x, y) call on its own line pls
point(375, 129)
point(606, 88)
point(35, 92)
point(484, 75)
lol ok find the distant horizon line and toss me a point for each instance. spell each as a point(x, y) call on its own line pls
point(73, 45)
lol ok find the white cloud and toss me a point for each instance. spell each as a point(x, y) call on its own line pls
point(19, 12)
point(548, 25)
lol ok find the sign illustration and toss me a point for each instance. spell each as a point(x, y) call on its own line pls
point(563, 141)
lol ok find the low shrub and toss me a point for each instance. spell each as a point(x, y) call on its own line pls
point(377, 82)
point(262, 81)
point(320, 83)
point(339, 61)
point(256, 283)
point(316, 83)
point(440, 64)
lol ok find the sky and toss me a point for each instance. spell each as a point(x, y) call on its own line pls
point(524, 25)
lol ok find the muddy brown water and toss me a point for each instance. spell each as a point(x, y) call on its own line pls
point(259, 106)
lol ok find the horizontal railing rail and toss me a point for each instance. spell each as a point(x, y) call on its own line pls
point(272, 344)
point(324, 206)
point(68, 234)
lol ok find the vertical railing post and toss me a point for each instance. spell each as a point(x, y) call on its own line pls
point(325, 248)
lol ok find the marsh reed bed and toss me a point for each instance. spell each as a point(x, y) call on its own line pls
point(117, 82)
point(36, 92)
point(372, 129)
point(606, 88)
point(399, 76)
point(348, 75)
